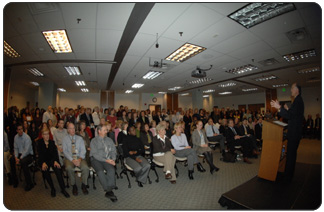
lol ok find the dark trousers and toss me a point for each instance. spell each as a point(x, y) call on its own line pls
point(59, 176)
point(291, 157)
point(246, 144)
point(107, 180)
point(24, 166)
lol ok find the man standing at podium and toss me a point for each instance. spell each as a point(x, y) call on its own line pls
point(294, 115)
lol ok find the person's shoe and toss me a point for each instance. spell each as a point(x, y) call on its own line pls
point(66, 194)
point(168, 176)
point(53, 192)
point(173, 182)
point(256, 152)
point(139, 184)
point(29, 187)
point(200, 167)
point(75, 190)
point(111, 196)
point(84, 189)
point(190, 174)
point(246, 160)
point(216, 168)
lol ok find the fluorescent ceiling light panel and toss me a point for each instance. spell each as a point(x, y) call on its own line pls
point(242, 69)
point(265, 78)
point(85, 90)
point(73, 70)
point(249, 89)
point(35, 72)
point(300, 55)
point(61, 89)
point(201, 80)
point(174, 88)
point(35, 83)
point(225, 93)
point(152, 74)
point(229, 84)
point(256, 13)
point(185, 52)
point(129, 91)
point(9, 51)
point(205, 96)
point(209, 91)
point(184, 94)
point(80, 83)
point(137, 85)
point(280, 85)
point(162, 92)
point(58, 41)
point(308, 70)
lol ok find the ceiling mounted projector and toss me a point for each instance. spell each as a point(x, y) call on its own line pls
point(200, 73)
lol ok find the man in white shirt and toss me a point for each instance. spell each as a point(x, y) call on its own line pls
point(58, 136)
point(96, 116)
point(213, 134)
point(48, 114)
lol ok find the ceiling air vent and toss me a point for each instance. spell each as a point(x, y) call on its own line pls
point(269, 62)
point(297, 35)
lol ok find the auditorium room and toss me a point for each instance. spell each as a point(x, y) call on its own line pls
point(162, 106)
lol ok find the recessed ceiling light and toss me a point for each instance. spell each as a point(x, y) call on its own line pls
point(137, 85)
point(35, 72)
point(299, 55)
point(280, 85)
point(229, 84)
point(9, 51)
point(174, 88)
point(61, 89)
point(152, 74)
point(242, 69)
point(85, 90)
point(201, 80)
point(185, 52)
point(209, 91)
point(184, 94)
point(265, 78)
point(256, 13)
point(162, 92)
point(73, 70)
point(58, 41)
point(249, 89)
point(35, 83)
point(225, 93)
point(308, 70)
point(80, 83)
point(129, 91)
point(205, 96)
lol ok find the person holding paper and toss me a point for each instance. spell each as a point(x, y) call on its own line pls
point(294, 115)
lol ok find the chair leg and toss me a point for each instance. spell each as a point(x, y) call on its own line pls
point(153, 168)
point(93, 181)
point(177, 171)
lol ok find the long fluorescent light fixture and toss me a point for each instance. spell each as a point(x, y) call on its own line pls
point(225, 93)
point(265, 78)
point(299, 55)
point(35, 72)
point(209, 91)
point(61, 89)
point(129, 91)
point(58, 41)
point(280, 85)
point(201, 80)
point(256, 13)
point(162, 92)
point(73, 70)
point(85, 90)
point(185, 52)
point(242, 69)
point(229, 84)
point(249, 89)
point(184, 94)
point(35, 83)
point(152, 74)
point(80, 83)
point(137, 85)
point(9, 51)
point(205, 96)
point(174, 88)
point(308, 70)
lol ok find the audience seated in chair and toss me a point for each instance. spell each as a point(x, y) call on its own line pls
point(103, 156)
point(146, 136)
point(23, 155)
point(81, 131)
point(8, 160)
point(75, 156)
point(48, 158)
point(213, 134)
point(200, 145)
point(245, 130)
point(164, 153)
point(182, 148)
point(133, 149)
point(58, 136)
point(258, 129)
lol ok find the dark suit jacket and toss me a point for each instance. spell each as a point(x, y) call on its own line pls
point(242, 132)
point(158, 147)
point(49, 155)
point(132, 143)
point(318, 123)
point(295, 116)
point(229, 134)
point(157, 119)
point(146, 121)
point(144, 138)
point(85, 118)
point(258, 131)
point(310, 123)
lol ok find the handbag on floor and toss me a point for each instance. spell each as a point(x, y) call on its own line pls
point(229, 157)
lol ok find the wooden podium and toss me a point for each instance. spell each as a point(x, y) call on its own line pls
point(271, 161)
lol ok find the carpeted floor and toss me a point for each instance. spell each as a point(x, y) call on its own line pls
point(202, 193)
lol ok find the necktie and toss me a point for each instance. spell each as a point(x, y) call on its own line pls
point(234, 131)
point(74, 151)
point(148, 138)
point(212, 128)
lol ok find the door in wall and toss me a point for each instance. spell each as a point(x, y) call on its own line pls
point(155, 108)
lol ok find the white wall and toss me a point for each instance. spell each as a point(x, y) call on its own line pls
point(184, 102)
point(72, 100)
point(147, 100)
point(129, 100)
point(20, 94)
point(312, 97)
point(233, 101)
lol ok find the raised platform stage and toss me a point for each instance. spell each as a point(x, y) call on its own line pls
point(303, 192)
